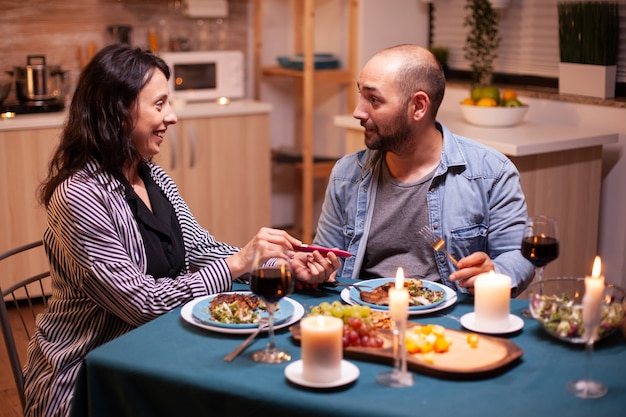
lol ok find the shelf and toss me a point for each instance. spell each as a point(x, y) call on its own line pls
point(320, 76)
point(304, 24)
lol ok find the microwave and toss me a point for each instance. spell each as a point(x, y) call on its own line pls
point(205, 75)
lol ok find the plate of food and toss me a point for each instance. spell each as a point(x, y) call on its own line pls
point(237, 312)
point(423, 295)
point(354, 296)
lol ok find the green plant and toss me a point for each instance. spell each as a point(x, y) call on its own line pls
point(482, 41)
point(441, 53)
point(588, 32)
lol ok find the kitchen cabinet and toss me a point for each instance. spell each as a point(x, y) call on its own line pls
point(306, 80)
point(24, 158)
point(222, 168)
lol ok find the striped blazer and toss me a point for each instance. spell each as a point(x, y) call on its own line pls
point(100, 287)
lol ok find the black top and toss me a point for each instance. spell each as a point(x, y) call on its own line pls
point(159, 229)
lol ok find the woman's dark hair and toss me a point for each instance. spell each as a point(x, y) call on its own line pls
point(100, 117)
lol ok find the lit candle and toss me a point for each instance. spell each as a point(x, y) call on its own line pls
point(594, 288)
point(492, 301)
point(399, 298)
point(322, 348)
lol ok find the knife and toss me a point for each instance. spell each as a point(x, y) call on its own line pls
point(310, 248)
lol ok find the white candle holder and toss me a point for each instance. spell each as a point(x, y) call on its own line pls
point(399, 376)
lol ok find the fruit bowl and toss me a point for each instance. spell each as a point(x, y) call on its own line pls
point(493, 116)
point(556, 304)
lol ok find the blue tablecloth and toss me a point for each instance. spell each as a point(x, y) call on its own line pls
point(171, 368)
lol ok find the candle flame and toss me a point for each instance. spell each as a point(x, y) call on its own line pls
point(597, 267)
point(400, 278)
point(320, 320)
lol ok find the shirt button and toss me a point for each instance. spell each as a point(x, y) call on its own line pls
point(169, 248)
point(436, 226)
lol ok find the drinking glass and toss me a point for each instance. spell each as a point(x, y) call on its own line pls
point(540, 245)
point(271, 279)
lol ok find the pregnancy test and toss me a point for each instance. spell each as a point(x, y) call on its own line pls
point(310, 248)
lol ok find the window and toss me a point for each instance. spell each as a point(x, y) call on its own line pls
point(528, 30)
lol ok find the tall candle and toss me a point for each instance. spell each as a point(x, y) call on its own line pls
point(399, 298)
point(322, 348)
point(592, 300)
point(492, 301)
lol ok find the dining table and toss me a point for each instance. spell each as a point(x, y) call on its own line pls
point(172, 367)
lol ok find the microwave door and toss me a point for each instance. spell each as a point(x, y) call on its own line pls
point(195, 77)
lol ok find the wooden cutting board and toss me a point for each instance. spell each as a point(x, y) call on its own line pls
point(492, 355)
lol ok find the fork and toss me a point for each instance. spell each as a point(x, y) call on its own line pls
point(436, 242)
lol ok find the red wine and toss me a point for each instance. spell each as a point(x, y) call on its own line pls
point(540, 250)
point(271, 284)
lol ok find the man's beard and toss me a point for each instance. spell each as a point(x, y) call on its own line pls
point(395, 141)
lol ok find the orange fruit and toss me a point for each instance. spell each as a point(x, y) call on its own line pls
point(468, 101)
point(509, 95)
point(487, 102)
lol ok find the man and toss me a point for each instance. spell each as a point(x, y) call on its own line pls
point(415, 172)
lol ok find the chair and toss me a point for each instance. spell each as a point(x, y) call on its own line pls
point(27, 297)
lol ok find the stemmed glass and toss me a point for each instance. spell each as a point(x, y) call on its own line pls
point(540, 245)
point(271, 279)
point(587, 387)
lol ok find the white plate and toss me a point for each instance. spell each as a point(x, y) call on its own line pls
point(450, 300)
point(349, 373)
point(468, 321)
point(187, 314)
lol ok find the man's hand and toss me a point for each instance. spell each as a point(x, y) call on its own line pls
point(469, 268)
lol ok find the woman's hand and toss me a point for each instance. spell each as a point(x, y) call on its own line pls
point(469, 268)
point(270, 242)
point(313, 268)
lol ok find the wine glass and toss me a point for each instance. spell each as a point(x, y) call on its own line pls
point(540, 245)
point(271, 279)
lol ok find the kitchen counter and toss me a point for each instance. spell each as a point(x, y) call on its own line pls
point(186, 111)
point(525, 139)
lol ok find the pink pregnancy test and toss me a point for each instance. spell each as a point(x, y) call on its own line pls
point(310, 248)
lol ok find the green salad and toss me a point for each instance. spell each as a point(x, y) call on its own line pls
point(562, 317)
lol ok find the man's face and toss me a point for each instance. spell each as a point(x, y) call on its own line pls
point(381, 108)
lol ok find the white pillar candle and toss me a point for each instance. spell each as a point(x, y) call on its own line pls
point(399, 298)
point(592, 299)
point(322, 348)
point(492, 301)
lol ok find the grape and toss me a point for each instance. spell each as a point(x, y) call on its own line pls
point(357, 330)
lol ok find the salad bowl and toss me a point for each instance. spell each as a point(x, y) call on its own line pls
point(556, 304)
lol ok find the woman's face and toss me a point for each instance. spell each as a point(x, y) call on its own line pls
point(153, 115)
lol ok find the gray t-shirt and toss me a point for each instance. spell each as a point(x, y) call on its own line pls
point(400, 211)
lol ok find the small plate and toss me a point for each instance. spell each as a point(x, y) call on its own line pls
point(515, 324)
point(187, 315)
point(349, 373)
point(201, 311)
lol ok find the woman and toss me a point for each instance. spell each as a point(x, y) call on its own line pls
point(122, 244)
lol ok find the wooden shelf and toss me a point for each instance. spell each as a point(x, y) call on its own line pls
point(304, 24)
point(319, 76)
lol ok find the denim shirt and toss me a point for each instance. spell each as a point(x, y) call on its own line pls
point(475, 202)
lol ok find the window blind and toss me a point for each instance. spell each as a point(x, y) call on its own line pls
point(529, 37)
